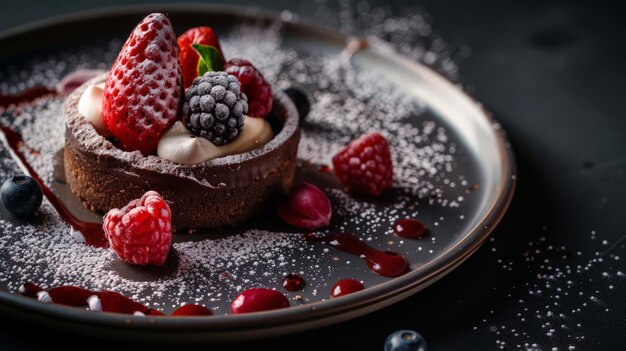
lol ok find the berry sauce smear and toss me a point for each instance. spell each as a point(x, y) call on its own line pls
point(26, 96)
point(105, 301)
point(385, 263)
point(92, 232)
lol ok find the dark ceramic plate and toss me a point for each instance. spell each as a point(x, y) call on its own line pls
point(463, 196)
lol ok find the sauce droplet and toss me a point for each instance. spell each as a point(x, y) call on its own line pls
point(325, 169)
point(293, 282)
point(192, 310)
point(472, 188)
point(345, 287)
point(385, 263)
point(409, 228)
point(258, 299)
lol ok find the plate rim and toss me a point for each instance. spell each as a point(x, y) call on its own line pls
point(298, 317)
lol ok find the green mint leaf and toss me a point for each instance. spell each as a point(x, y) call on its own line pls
point(210, 59)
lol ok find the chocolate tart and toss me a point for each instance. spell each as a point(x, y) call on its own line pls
point(222, 191)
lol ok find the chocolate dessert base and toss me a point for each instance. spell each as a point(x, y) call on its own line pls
point(214, 193)
point(101, 190)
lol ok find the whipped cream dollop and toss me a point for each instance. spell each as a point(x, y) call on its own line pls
point(90, 106)
point(179, 145)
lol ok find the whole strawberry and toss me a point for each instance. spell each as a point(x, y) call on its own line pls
point(256, 88)
point(364, 166)
point(189, 56)
point(140, 232)
point(142, 94)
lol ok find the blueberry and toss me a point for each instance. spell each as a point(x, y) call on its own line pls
point(21, 195)
point(300, 98)
point(405, 340)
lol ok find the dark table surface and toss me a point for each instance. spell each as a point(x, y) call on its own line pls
point(552, 276)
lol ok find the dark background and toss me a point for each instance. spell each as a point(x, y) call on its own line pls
point(552, 276)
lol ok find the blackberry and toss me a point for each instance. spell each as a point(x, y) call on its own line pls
point(215, 107)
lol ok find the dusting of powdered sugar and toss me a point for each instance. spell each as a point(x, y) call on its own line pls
point(350, 102)
point(407, 29)
point(48, 70)
point(564, 288)
point(347, 102)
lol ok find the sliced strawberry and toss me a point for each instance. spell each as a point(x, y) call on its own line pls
point(306, 206)
point(142, 95)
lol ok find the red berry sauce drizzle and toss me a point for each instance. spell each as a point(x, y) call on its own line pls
point(385, 263)
point(25, 96)
point(105, 301)
point(68, 295)
point(293, 282)
point(92, 232)
point(409, 228)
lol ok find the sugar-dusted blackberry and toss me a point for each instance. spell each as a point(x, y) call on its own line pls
point(215, 107)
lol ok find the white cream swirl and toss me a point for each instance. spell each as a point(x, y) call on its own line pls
point(90, 106)
point(179, 145)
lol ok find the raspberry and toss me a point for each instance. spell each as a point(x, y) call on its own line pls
point(141, 232)
point(189, 57)
point(215, 107)
point(142, 94)
point(365, 166)
point(256, 88)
